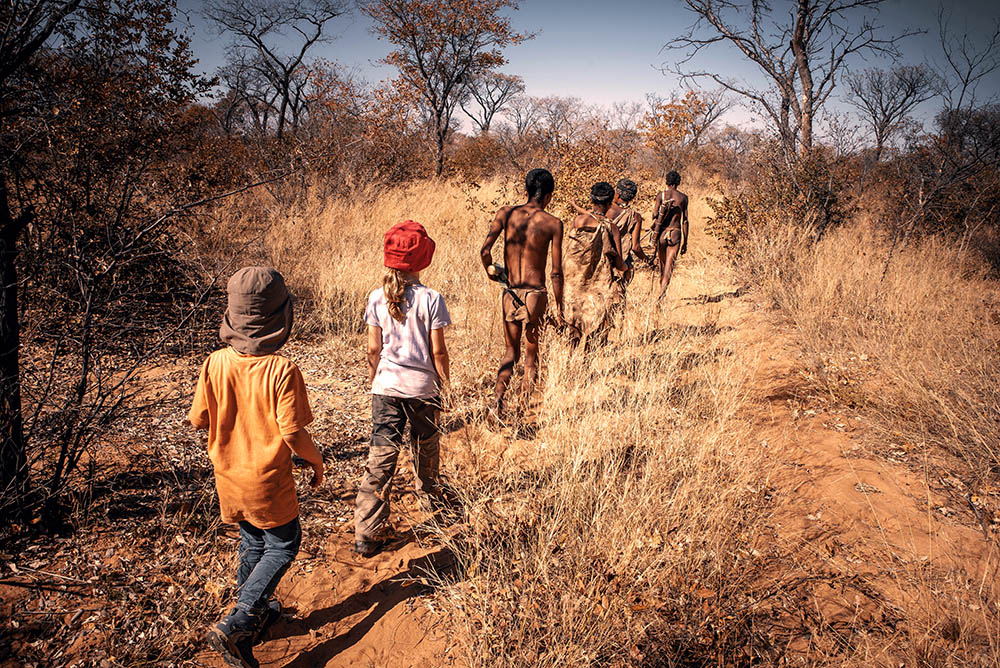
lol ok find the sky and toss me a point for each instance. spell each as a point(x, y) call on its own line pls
point(605, 52)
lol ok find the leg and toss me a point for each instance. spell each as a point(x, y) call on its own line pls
point(371, 508)
point(512, 340)
point(281, 544)
point(425, 444)
point(536, 303)
point(251, 550)
point(532, 337)
point(668, 253)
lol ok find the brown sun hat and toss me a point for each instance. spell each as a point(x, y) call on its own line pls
point(258, 320)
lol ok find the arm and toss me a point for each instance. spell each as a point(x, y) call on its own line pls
point(199, 415)
point(301, 444)
point(684, 226)
point(442, 363)
point(579, 209)
point(496, 227)
point(637, 238)
point(657, 217)
point(557, 273)
point(374, 350)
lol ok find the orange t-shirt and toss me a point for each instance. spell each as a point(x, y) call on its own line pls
point(247, 402)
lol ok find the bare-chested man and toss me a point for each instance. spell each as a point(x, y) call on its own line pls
point(528, 233)
point(670, 228)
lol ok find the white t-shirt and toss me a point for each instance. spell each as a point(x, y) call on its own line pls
point(406, 368)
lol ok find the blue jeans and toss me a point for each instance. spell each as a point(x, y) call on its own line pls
point(265, 555)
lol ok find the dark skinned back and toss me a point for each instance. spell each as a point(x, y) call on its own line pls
point(671, 216)
point(528, 232)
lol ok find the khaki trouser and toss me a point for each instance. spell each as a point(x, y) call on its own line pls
point(389, 418)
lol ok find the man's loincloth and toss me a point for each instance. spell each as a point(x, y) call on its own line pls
point(528, 308)
point(674, 235)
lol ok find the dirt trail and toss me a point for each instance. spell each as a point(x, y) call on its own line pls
point(867, 543)
point(856, 531)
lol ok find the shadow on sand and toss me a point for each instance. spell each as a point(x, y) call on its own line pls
point(376, 601)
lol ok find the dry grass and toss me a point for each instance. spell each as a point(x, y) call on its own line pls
point(907, 334)
point(908, 337)
point(622, 520)
point(623, 531)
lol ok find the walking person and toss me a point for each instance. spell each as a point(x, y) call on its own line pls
point(408, 369)
point(594, 293)
point(253, 403)
point(530, 234)
point(629, 224)
point(670, 229)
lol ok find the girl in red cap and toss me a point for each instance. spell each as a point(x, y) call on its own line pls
point(408, 370)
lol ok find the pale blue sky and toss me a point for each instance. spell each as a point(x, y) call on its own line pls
point(606, 52)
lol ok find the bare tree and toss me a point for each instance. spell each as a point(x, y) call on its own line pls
point(622, 121)
point(559, 119)
point(966, 64)
point(523, 115)
point(492, 91)
point(885, 98)
point(440, 47)
point(263, 28)
point(25, 27)
point(716, 103)
point(249, 99)
point(802, 53)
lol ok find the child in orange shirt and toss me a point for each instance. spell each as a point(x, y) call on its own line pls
point(253, 404)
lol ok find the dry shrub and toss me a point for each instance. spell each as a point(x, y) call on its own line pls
point(476, 158)
point(774, 195)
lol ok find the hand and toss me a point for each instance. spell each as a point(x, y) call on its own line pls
point(317, 475)
point(684, 249)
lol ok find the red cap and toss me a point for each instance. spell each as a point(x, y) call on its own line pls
point(407, 247)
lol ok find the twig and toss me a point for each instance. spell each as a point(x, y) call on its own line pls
point(59, 612)
point(44, 586)
point(55, 575)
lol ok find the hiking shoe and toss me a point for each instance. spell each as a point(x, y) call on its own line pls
point(233, 638)
point(271, 614)
point(369, 548)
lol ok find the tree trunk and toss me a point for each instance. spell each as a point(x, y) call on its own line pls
point(13, 459)
point(283, 109)
point(440, 136)
point(801, 51)
point(785, 129)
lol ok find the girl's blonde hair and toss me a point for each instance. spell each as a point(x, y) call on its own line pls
point(394, 287)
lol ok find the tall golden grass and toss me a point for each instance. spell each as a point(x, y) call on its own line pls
point(621, 531)
point(619, 521)
point(907, 332)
